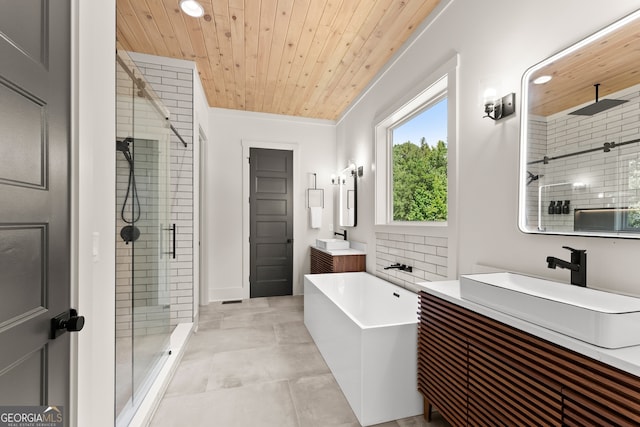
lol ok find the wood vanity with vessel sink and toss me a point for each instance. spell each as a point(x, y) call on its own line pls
point(336, 256)
point(337, 261)
point(479, 366)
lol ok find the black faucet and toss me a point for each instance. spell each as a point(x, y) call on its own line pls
point(578, 265)
point(402, 267)
point(335, 233)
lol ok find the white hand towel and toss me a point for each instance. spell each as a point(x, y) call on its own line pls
point(315, 216)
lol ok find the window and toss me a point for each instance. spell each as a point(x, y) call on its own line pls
point(415, 152)
point(419, 164)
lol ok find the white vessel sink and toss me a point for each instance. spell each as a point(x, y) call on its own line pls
point(600, 318)
point(332, 244)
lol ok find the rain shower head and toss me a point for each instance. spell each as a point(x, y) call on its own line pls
point(598, 106)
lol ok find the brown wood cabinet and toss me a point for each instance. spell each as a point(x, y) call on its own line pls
point(323, 262)
point(478, 371)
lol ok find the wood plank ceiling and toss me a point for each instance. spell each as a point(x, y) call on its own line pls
point(307, 58)
point(612, 61)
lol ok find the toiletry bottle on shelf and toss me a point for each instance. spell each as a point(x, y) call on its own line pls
point(558, 207)
point(552, 207)
point(565, 208)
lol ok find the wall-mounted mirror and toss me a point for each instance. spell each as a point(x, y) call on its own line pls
point(348, 195)
point(580, 137)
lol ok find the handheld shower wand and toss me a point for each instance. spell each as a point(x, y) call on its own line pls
point(129, 233)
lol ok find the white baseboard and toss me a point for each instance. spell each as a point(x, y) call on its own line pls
point(226, 294)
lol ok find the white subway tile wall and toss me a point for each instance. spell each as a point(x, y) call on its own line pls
point(174, 86)
point(537, 139)
point(606, 175)
point(141, 285)
point(426, 255)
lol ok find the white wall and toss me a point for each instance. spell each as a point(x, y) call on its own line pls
point(201, 134)
point(93, 192)
point(497, 42)
point(316, 147)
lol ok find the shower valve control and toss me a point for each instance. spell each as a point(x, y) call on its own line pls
point(67, 321)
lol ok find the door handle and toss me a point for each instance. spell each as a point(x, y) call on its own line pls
point(289, 240)
point(173, 232)
point(66, 321)
point(172, 229)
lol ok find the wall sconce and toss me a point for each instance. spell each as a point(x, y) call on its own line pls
point(354, 170)
point(500, 108)
point(351, 170)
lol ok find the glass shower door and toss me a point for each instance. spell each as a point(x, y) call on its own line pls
point(150, 262)
point(144, 237)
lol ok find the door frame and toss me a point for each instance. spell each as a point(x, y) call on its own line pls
point(247, 145)
point(93, 192)
point(202, 269)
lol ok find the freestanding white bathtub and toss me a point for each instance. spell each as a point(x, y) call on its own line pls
point(366, 330)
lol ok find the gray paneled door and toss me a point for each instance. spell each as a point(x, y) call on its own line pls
point(271, 230)
point(34, 200)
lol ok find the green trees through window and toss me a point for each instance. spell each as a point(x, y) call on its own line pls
point(420, 169)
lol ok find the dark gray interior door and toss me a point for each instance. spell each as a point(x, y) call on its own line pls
point(34, 200)
point(271, 230)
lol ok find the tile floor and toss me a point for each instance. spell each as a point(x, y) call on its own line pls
point(254, 364)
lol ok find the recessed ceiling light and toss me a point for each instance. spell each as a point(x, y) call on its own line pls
point(192, 8)
point(542, 80)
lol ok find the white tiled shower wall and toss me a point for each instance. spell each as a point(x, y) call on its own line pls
point(427, 255)
point(174, 86)
point(151, 302)
point(606, 174)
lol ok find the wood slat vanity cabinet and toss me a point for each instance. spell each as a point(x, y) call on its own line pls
point(323, 262)
point(477, 371)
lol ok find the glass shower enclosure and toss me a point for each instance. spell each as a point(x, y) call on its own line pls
point(144, 238)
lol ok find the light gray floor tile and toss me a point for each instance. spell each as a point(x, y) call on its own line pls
point(298, 360)
point(204, 325)
point(246, 304)
point(239, 368)
point(190, 377)
point(288, 301)
point(419, 421)
point(319, 402)
point(292, 333)
point(210, 315)
point(205, 343)
point(257, 405)
point(255, 364)
point(266, 317)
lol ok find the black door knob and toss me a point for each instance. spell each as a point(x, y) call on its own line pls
point(67, 321)
point(73, 324)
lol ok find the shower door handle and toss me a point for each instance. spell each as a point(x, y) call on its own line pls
point(173, 232)
point(172, 229)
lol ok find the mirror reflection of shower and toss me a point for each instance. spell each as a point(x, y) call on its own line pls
point(129, 233)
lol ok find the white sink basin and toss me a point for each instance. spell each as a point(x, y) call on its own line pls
point(332, 244)
point(600, 318)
